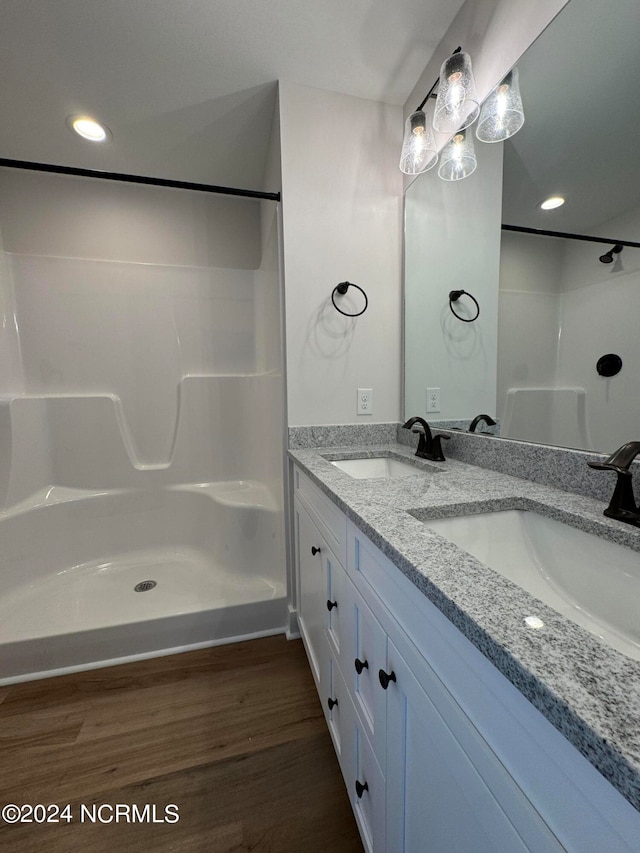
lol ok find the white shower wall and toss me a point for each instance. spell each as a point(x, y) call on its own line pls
point(528, 329)
point(140, 341)
point(600, 310)
point(560, 311)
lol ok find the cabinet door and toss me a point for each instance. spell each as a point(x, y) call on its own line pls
point(312, 608)
point(364, 781)
point(334, 703)
point(438, 799)
point(365, 653)
point(337, 607)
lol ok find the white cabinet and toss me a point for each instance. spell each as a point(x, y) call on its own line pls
point(346, 646)
point(311, 551)
point(445, 789)
point(335, 708)
point(365, 654)
point(439, 752)
point(364, 780)
point(337, 608)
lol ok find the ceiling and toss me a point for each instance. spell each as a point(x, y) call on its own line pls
point(188, 87)
point(579, 84)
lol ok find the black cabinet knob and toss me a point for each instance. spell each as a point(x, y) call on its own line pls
point(386, 678)
point(315, 550)
point(332, 703)
point(360, 788)
point(360, 665)
point(331, 605)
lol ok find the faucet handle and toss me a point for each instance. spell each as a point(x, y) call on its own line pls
point(623, 504)
point(608, 466)
point(620, 459)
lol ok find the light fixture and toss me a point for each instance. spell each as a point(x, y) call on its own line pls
point(418, 148)
point(502, 114)
point(552, 202)
point(457, 104)
point(88, 128)
point(458, 158)
point(456, 108)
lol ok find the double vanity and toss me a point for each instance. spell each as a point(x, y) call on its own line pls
point(475, 641)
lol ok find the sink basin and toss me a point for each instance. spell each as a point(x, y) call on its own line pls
point(590, 580)
point(376, 467)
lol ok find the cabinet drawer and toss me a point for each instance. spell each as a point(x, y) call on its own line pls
point(330, 520)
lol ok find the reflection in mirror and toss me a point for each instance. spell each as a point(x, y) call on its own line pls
point(559, 307)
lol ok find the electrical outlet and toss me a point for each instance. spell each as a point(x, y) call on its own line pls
point(365, 401)
point(433, 399)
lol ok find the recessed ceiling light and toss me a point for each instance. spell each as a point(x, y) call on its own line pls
point(552, 202)
point(89, 128)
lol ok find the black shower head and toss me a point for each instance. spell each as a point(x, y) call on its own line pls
point(608, 257)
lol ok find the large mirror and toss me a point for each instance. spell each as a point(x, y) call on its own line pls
point(550, 307)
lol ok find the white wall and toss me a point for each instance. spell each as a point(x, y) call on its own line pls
point(56, 215)
point(342, 202)
point(452, 242)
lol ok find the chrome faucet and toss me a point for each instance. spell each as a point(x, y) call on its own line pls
point(429, 445)
point(489, 421)
point(623, 505)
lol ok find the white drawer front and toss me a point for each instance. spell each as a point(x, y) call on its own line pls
point(330, 520)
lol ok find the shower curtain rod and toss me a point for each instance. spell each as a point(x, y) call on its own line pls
point(137, 179)
point(543, 233)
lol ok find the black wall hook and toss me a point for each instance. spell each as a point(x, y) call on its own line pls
point(454, 295)
point(341, 289)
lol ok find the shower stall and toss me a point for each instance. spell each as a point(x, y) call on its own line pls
point(567, 336)
point(141, 421)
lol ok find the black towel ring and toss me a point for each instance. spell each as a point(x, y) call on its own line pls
point(454, 295)
point(342, 289)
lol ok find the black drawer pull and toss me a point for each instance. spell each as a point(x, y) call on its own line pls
point(360, 665)
point(385, 679)
point(332, 703)
point(331, 605)
point(315, 550)
point(360, 788)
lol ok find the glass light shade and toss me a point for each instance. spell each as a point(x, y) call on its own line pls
point(457, 103)
point(418, 147)
point(458, 158)
point(502, 114)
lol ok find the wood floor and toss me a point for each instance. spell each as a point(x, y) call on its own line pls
point(234, 736)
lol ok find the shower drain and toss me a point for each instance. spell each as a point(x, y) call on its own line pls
point(144, 586)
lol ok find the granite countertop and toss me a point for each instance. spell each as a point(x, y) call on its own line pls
point(589, 692)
